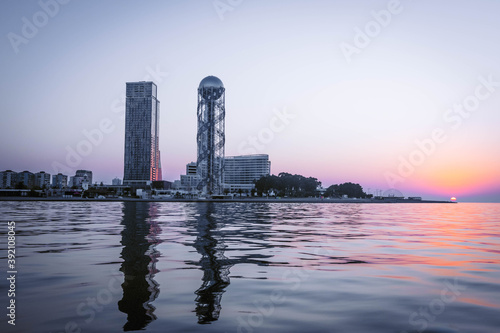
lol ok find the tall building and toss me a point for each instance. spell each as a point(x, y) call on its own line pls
point(8, 179)
point(211, 136)
point(142, 154)
point(26, 178)
point(241, 172)
point(160, 173)
point(59, 180)
point(116, 181)
point(42, 179)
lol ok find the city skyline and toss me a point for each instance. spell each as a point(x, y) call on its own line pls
point(387, 94)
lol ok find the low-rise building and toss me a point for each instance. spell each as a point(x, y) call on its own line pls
point(87, 174)
point(80, 178)
point(189, 182)
point(241, 172)
point(161, 185)
point(176, 185)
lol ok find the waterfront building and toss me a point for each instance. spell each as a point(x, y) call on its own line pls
point(211, 136)
point(191, 168)
point(8, 179)
point(80, 178)
point(176, 185)
point(189, 182)
point(42, 179)
point(241, 172)
point(142, 154)
point(86, 175)
point(59, 181)
point(116, 181)
point(26, 178)
point(161, 185)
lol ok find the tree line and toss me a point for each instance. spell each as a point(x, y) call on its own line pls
point(285, 184)
point(298, 186)
point(352, 190)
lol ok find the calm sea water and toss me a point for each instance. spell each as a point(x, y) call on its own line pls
point(253, 267)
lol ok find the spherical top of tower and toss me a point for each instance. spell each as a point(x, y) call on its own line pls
point(211, 82)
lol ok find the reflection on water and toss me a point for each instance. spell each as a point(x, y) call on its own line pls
point(139, 238)
point(213, 226)
point(256, 267)
point(210, 244)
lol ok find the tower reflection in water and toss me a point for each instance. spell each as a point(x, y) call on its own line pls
point(139, 239)
point(210, 244)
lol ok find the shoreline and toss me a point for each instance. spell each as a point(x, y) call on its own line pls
point(239, 200)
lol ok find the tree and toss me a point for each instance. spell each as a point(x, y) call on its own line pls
point(21, 186)
point(350, 189)
point(127, 191)
point(286, 184)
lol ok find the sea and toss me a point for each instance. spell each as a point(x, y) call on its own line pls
point(250, 267)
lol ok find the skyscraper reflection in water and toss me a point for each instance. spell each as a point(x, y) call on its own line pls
point(139, 238)
point(210, 244)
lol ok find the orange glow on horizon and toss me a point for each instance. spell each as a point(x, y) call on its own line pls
point(461, 179)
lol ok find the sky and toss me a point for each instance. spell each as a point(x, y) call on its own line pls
point(400, 95)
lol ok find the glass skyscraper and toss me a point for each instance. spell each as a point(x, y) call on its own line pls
point(142, 153)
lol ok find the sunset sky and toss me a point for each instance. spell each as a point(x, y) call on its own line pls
point(388, 94)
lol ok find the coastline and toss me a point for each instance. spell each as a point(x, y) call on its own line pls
point(239, 200)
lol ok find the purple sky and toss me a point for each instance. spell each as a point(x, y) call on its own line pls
point(389, 94)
